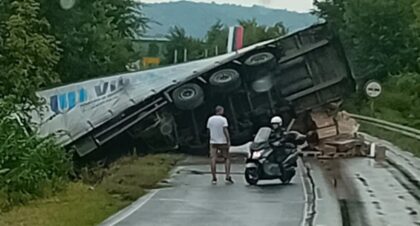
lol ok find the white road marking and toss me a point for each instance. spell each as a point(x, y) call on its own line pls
point(124, 213)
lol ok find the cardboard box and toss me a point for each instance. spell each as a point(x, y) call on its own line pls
point(345, 124)
point(322, 119)
point(326, 132)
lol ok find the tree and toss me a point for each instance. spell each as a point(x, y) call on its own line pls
point(254, 33)
point(378, 35)
point(178, 41)
point(277, 30)
point(153, 50)
point(217, 37)
point(29, 165)
point(29, 55)
point(96, 36)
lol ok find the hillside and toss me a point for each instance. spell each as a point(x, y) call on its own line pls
point(196, 18)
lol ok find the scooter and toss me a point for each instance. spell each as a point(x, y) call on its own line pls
point(268, 159)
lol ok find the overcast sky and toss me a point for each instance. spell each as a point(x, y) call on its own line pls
point(293, 5)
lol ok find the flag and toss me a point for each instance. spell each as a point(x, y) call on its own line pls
point(236, 37)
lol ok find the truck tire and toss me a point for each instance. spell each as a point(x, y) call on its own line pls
point(259, 65)
point(226, 80)
point(260, 60)
point(166, 128)
point(188, 96)
point(263, 84)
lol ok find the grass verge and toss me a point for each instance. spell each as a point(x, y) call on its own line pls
point(85, 205)
point(404, 142)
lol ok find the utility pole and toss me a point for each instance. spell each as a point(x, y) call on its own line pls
point(175, 56)
point(185, 55)
point(216, 50)
point(206, 53)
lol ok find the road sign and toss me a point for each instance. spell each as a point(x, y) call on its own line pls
point(67, 4)
point(373, 89)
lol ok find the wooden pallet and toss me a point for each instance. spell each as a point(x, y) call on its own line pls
point(335, 155)
point(342, 155)
point(310, 153)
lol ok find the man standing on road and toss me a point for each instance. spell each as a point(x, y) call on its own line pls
point(219, 141)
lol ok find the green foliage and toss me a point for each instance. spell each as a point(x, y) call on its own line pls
point(180, 41)
point(217, 37)
point(83, 204)
point(405, 143)
point(94, 40)
point(153, 50)
point(96, 36)
point(29, 166)
point(254, 33)
point(380, 36)
point(197, 17)
point(28, 55)
point(399, 102)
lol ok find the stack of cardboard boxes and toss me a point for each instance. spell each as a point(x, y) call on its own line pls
point(336, 135)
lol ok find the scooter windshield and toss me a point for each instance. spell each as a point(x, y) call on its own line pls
point(263, 135)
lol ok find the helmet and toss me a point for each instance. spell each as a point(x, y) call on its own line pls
point(277, 120)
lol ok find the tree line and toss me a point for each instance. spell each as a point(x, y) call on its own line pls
point(215, 42)
point(381, 37)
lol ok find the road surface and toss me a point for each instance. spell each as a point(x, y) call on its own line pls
point(373, 193)
point(193, 200)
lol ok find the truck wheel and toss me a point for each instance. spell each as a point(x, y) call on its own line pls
point(225, 80)
point(166, 128)
point(260, 59)
point(188, 96)
point(259, 65)
point(263, 84)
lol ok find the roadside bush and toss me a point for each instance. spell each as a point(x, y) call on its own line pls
point(30, 166)
point(399, 102)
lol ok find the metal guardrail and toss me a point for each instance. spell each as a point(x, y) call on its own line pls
point(404, 130)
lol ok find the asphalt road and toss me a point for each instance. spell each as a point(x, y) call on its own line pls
point(193, 200)
point(375, 193)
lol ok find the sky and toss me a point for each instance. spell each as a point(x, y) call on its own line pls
point(292, 5)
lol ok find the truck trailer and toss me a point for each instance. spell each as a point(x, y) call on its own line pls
point(167, 108)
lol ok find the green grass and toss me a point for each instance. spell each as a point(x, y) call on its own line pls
point(404, 142)
point(85, 205)
point(131, 176)
point(78, 205)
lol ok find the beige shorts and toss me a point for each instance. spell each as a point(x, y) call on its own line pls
point(219, 150)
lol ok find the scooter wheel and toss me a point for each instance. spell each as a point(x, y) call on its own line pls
point(287, 178)
point(251, 176)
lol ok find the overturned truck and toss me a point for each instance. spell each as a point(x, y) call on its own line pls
point(167, 108)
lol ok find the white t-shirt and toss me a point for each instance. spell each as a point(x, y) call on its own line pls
point(215, 124)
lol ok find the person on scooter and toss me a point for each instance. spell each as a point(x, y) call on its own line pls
point(277, 128)
point(277, 136)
